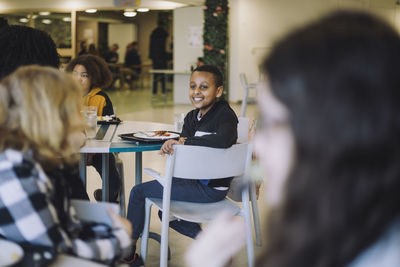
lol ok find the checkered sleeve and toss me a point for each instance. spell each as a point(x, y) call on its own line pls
point(26, 215)
point(107, 250)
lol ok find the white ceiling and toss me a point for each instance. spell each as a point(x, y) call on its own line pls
point(9, 5)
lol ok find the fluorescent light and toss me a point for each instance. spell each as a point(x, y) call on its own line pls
point(44, 13)
point(144, 9)
point(24, 20)
point(91, 10)
point(130, 14)
point(67, 19)
point(46, 21)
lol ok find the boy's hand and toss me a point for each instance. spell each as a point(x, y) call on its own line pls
point(167, 146)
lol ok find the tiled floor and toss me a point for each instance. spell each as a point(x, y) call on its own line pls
point(139, 105)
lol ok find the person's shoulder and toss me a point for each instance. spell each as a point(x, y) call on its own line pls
point(192, 113)
point(223, 107)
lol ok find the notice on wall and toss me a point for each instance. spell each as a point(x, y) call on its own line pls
point(195, 36)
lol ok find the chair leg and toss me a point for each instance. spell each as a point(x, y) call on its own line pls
point(145, 234)
point(256, 215)
point(164, 239)
point(249, 232)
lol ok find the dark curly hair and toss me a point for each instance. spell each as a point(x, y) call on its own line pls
point(21, 46)
point(339, 79)
point(99, 73)
point(214, 70)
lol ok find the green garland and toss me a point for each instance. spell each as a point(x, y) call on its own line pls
point(215, 36)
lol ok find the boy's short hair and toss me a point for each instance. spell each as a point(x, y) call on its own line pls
point(99, 73)
point(22, 45)
point(214, 70)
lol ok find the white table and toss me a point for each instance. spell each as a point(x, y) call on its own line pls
point(111, 143)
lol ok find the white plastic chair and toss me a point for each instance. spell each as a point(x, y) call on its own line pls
point(246, 87)
point(190, 162)
point(245, 126)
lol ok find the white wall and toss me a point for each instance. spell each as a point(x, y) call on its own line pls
point(185, 19)
point(185, 53)
point(256, 24)
point(122, 34)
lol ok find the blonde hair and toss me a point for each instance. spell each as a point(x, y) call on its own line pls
point(40, 110)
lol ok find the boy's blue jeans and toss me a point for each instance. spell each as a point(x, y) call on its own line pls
point(183, 190)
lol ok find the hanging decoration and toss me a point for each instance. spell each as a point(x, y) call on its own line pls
point(215, 36)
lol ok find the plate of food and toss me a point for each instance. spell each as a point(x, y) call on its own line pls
point(108, 120)
point(10, 253)
point(150, 136)
point(160, 135)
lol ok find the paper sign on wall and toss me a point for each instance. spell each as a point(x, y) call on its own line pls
point(195, 36)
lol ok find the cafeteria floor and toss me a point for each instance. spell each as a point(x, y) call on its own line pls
point(139, 105)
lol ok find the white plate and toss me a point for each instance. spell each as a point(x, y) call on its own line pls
point(10, 253)
point(152, 135)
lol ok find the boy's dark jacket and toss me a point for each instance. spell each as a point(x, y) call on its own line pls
point(219, 125)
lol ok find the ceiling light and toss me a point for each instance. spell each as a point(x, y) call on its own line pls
point(143, 9)
point(130, 14)
point(24, 20)
point(46, 21)
point(32, 16)
point(44, 13)
point(67, 19)
point(92, 10)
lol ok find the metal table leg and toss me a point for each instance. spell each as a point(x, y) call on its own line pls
point(105, 175)
point(138, 167)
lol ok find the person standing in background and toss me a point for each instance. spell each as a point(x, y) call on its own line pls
point(158, 54)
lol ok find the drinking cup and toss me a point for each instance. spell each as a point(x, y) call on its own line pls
point(178, 122)
point(90, 117)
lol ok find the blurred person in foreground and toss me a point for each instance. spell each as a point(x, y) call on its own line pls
point(41, 126)
point(329, 144)
point(21, 46)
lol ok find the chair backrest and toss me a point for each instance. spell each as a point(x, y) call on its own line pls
point(235, 190)
point(243, 130)
point(197, 162)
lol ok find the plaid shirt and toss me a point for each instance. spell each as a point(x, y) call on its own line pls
point(27, 214)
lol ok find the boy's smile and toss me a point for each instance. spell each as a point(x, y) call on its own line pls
point(203, 92)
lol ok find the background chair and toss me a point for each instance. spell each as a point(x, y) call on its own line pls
point(189, 162)
point(246, 87)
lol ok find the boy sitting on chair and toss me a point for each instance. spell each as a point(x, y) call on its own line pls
point(213, 124)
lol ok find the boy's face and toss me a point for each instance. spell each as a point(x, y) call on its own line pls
point(203, 92)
